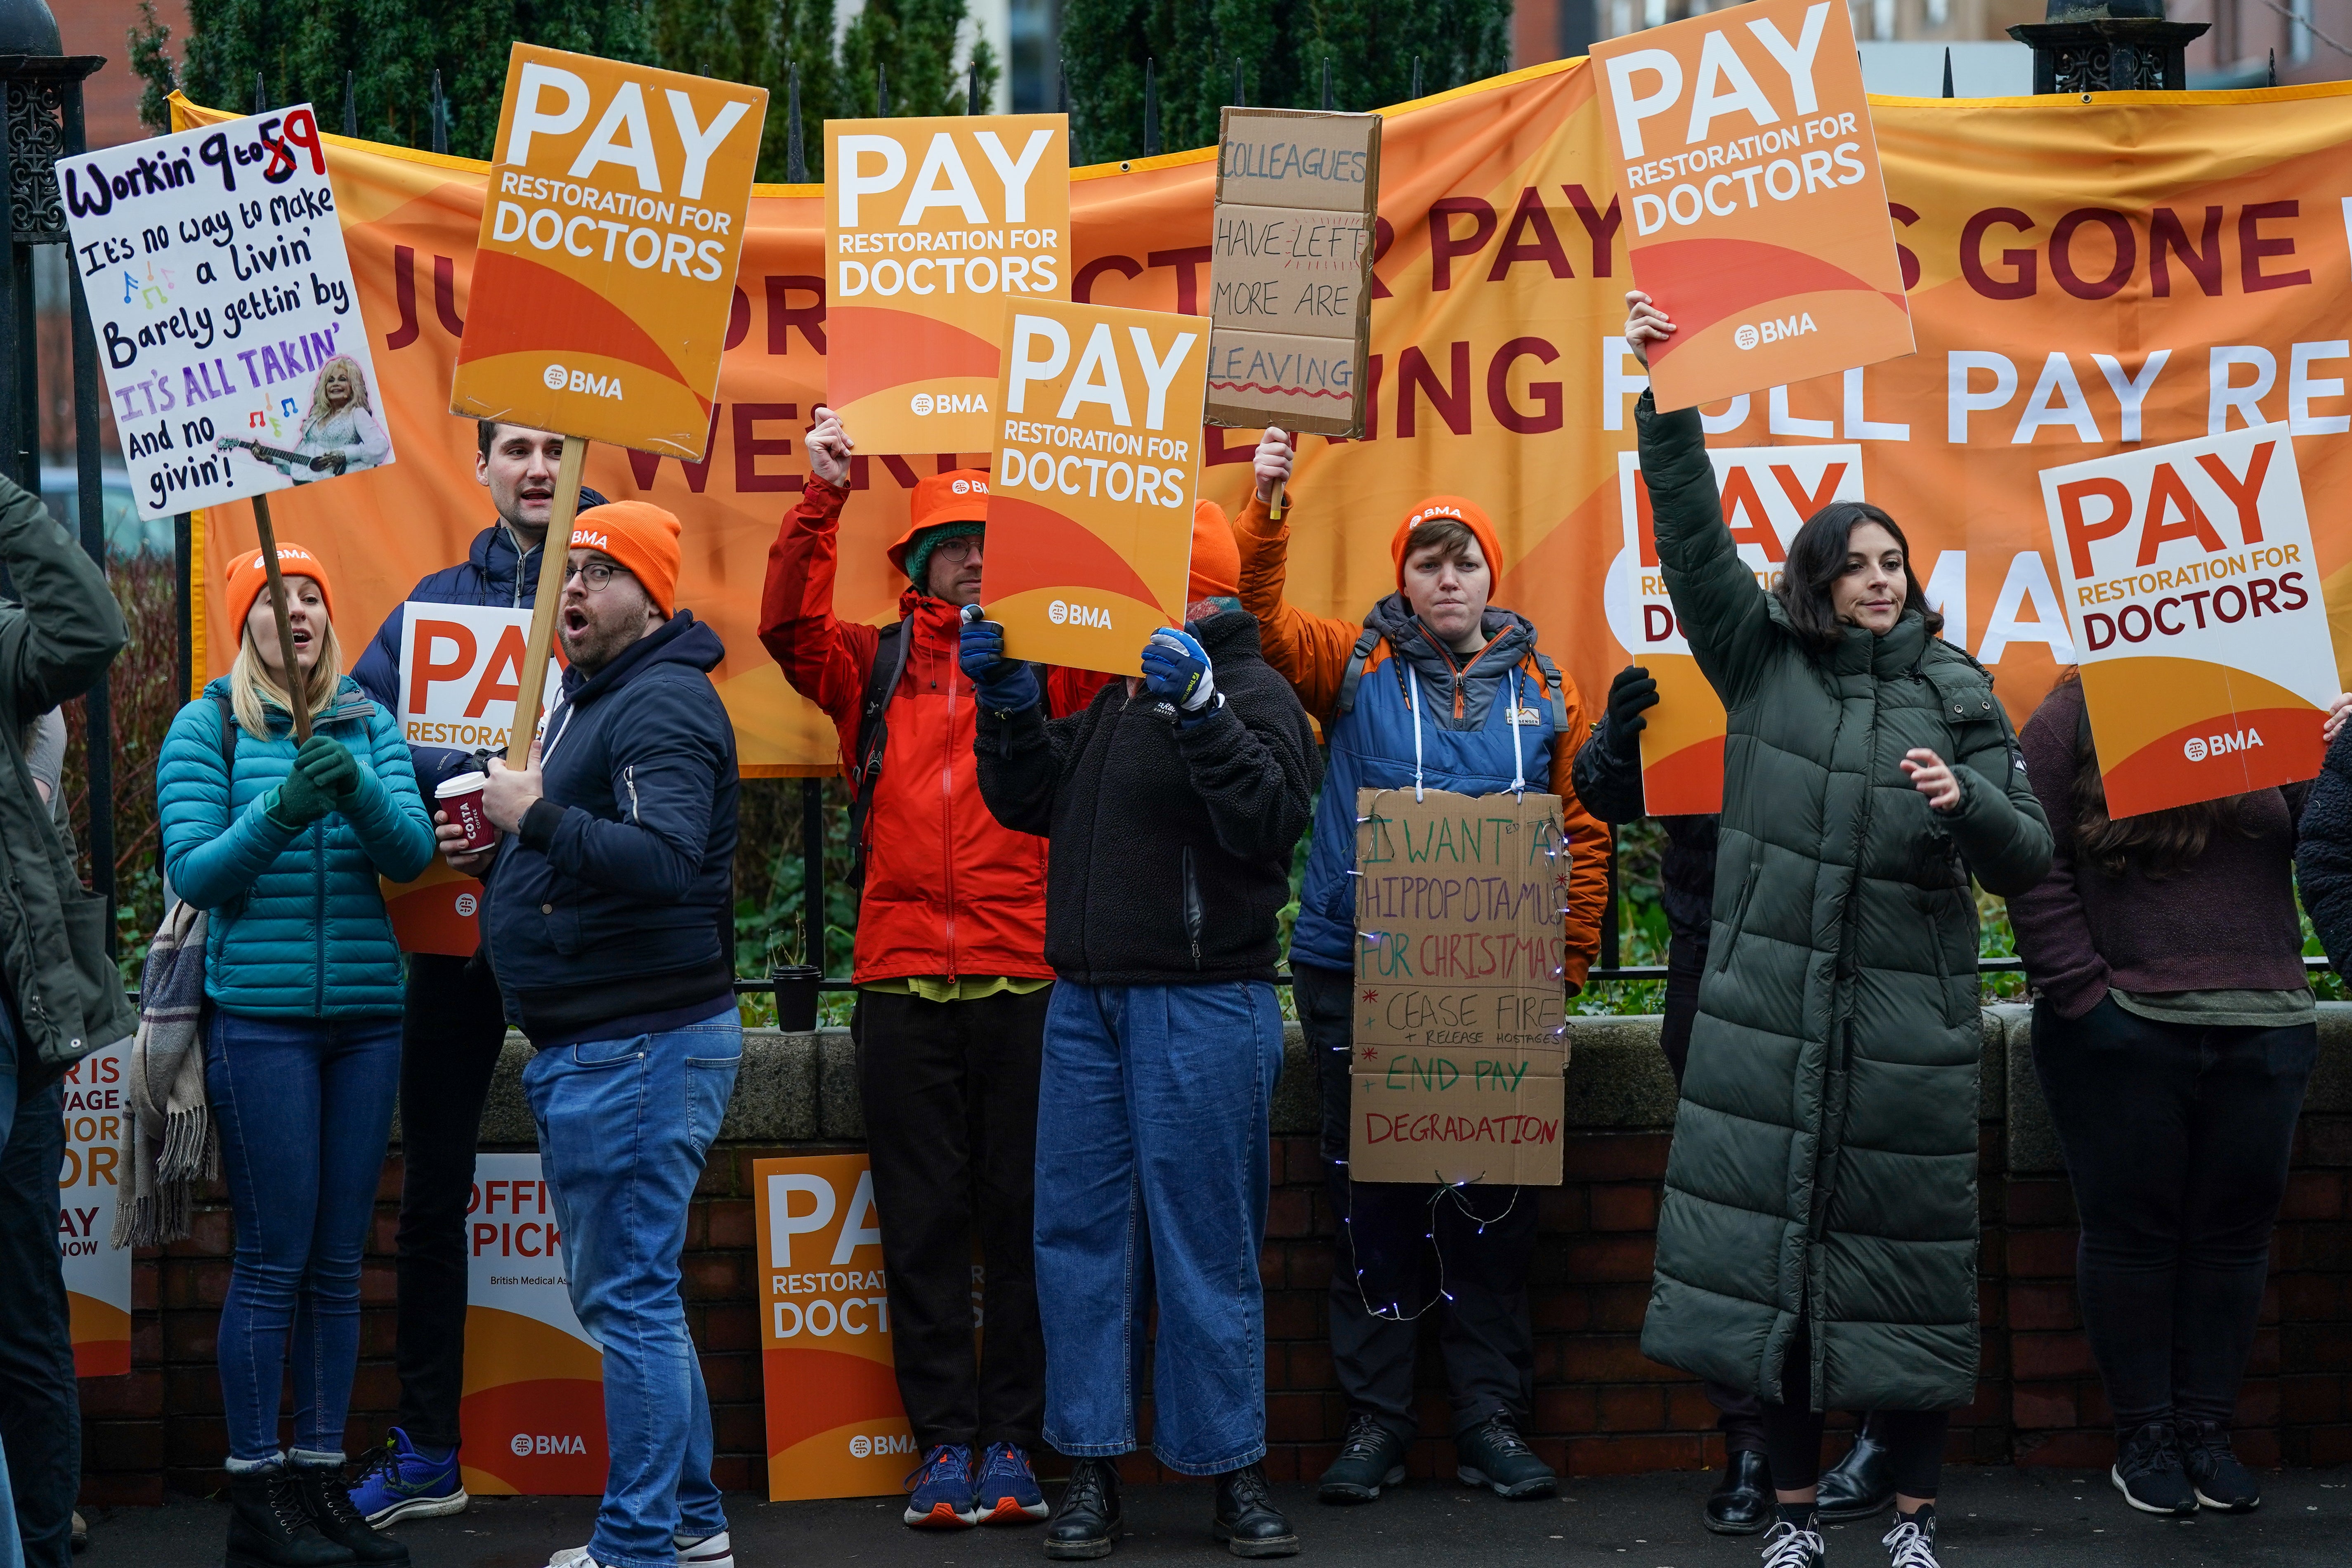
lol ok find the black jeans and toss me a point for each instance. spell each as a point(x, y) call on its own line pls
point(2177, 1139)
point(1385, 1272)
point(450, 1033)
point(1792, 1432)
point(950, 1090)
point(40, 1405)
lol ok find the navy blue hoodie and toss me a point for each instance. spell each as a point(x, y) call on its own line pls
point(611, 913)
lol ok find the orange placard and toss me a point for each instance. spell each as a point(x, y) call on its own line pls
point(932, 226)
point(1090, 519)
point(605, 271)
point(533, 1409)
point(1742, 148)
point(97, 1272)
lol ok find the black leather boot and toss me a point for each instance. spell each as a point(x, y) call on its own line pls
point(269, 1527)
point(1247, 1522)
point(1861, 1484)
point(1086, 1522)
point(328, 1502)
point(1742, 1503)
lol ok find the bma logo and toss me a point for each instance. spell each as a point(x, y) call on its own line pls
point(880, 1444)
point(1752, 334)
point(2197, 748)
point(1060, 612)
point(467, 904)
point(526, 1444)
point(949, 403)
point(559, 379)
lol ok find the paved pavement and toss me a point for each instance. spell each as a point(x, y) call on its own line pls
point(2046, 1519)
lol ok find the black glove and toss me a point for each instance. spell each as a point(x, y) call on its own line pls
point(1631, 696)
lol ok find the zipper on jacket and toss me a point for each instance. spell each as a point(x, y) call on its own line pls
point(1192, 922)
point(947, 806)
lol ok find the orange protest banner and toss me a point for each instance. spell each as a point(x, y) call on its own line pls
point(1744, 151)
point(1090, 513)
point(605, 271)
point(932, 226)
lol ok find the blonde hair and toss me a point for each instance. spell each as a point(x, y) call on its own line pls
point(359, 399)
point(250, 684)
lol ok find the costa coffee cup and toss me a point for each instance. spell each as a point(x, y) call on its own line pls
point(461, 798)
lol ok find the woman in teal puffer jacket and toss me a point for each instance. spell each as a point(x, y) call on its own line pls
point(283, 845)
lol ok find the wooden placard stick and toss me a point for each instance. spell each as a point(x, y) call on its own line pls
point(298, 686)
point(553, 555)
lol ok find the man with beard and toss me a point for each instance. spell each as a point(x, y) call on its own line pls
point(609, 925)
point(453, 1023)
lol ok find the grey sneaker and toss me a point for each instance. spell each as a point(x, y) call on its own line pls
point(2214, 1473)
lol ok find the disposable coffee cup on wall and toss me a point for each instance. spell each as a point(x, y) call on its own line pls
point(461, 798)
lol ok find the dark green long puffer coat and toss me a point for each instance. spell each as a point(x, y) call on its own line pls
point(1824, 1160)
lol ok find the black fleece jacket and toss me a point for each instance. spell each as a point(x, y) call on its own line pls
point(1168, 846)
point(1607, 777)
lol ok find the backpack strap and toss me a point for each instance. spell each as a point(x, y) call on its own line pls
point(1365, 644)
point(1555, 689)
point(882, 679)
point(228, 736)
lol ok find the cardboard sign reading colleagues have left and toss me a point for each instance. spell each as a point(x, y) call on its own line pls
point(1090, 509)
point(1741, 145)
point(605, 276)
point(533, 1411)
point(1460, 1038)
point(2194, 594)
point(932, 226)
point(222, 301)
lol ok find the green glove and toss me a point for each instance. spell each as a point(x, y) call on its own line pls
point(330, 765)
point(301, 801)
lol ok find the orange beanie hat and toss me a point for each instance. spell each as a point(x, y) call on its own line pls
point(641, 537)
point(1216, 555)
point(248, 580)
point(1461, 511)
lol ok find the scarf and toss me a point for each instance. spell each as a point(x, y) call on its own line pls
point(169, 1141)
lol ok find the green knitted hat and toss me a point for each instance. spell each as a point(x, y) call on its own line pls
point(919, 554)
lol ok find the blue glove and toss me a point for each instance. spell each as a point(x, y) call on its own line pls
point(1176, 670)
point(1002, 685)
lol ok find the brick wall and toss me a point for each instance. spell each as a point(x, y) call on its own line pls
point(1601, 1408)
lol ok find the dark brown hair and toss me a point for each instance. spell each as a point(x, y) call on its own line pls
point(1449, 536)
point(2156, 843)
point(1817, 559)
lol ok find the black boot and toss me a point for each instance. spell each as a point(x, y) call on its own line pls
point(1369, 1460)
point(1086, 1522)
point(328, 1502)
point(1247, 1522)
point(1741, 1504)
point(1861, 1484)
point(268, 1527)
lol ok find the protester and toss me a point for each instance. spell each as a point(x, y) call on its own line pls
point(60, 998)
point(283, 845)
point(1170, 807)
point(1435, 686)
point(1608, 779)
point(453, 1023)
point(2174, 1031)
point(951, 976)
point(1817, 1241)
point(610, 926)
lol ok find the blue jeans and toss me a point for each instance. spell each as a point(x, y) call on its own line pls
point(1152, 1127)
point(623, 1127)
point(304, 1108)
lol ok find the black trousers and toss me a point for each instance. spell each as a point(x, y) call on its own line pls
point(450, 1033)
point(40, 1405)
point(2177, 1139)
point(1792, 1432)
point(1387, 1268)
point(951, 1096)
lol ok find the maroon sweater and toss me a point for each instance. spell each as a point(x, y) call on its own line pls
point(2226, 921)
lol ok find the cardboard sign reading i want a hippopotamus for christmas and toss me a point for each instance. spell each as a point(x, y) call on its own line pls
point(2194, 597)
point(1460, 1038)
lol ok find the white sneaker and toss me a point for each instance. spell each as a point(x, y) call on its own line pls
point(710, 1551)
point(574, 1557)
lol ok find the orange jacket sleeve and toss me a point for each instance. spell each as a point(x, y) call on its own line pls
point(1588, 843)
point(1308, 650)
point(824, 658)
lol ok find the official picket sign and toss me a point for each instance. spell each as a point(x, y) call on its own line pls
point(2194, 593)
point(533, 1411)
point(226, 321)
point(460, 673)
point(1744, 151)
point(1768, 492)
point(98, 1275)
point(604, 275)
point(1460, 1039)
point(932, 226)
point(1090, 509)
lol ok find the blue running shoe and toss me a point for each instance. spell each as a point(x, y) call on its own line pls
point(396, 1482)
point(1008, 1486)
point(943, 1486)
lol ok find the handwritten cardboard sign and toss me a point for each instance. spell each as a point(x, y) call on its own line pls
point(1090, 510)
point(2194, 596)
point(534, 1413)
point(1460, 1041)
point(1742, 148)
point(932, 226)
point(1769, 492)
point(222, 300)
point(1291, 278)
point(604, 275)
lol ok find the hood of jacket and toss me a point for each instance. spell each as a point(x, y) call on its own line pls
point(681, 639)
point(1510, 637)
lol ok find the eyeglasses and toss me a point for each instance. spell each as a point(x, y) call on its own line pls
point(595, 573)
